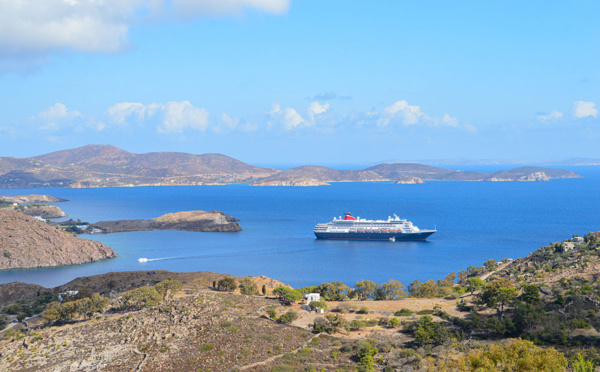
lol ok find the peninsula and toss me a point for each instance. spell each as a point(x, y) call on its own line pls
point(27, 243)
point(212, 221)
point(109, 166)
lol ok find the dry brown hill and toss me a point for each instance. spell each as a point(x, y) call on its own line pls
point(105, 165)
point(26, 242)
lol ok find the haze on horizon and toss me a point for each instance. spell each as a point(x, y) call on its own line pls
point(284, 81)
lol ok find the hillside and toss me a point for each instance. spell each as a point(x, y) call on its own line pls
point(26, 243)
point(104, 165)
point(165, 321)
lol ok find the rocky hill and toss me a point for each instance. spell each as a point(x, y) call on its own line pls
point(104, 165)
point(26, 243)
point(402, 173)
point(212, 221)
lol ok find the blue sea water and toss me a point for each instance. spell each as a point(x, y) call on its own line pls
point(476, 221)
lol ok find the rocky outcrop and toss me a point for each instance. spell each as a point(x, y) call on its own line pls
point(33, 198)
point(408, 181)
point(532, 177)
point(212, 221)
point(27, 243)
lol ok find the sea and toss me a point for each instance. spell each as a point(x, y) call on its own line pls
point(476, 221)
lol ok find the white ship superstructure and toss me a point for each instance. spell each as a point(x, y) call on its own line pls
point(350, 228)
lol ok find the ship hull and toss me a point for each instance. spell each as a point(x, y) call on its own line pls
point(421, 235)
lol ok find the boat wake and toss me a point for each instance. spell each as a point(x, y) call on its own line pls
point(144, 259)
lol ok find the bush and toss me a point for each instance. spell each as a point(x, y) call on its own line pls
point(363, 310)
point(403, 312)
point(288, 317)
point(227, 284)
point(141, 297)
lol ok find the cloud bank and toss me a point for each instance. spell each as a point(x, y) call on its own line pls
point(32, 28)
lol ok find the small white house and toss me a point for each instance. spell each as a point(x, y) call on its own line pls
point(310, 297)
point(62, 295)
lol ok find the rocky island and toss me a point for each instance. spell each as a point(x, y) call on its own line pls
point(212, 221)
point(406, 173)
point(27, 243)
point(109, 166)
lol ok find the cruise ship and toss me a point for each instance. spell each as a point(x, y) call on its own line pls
point(351, 228)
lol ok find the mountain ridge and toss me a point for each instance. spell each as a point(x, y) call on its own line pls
point(110, 166)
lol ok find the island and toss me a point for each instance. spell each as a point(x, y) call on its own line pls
point(27, 243)
point(212, 221)
point(110, 166)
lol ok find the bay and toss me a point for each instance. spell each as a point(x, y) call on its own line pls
point(476, 221)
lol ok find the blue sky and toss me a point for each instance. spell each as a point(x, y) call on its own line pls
point(320, 82)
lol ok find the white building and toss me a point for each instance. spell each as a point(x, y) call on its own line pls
point(310, 297)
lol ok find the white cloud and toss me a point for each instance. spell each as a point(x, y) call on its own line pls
point(58, 111)
point(179, 116)
point(583, 109)
point(195, 8)
point(400, 110)
point(288, 117)
point(226, 124)
point(120, 112)
point(449, 120)
point(172, 117)
point(316, 108)
point(32, 28)
point(554, 115)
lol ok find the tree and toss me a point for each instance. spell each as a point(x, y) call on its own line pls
point(248, 286)
point(227, 284)
point(526, 317)
point(392, 290)
point(490, 265)
point(394, 322)
point(499, 294)
point(337, 322)
point(264, 289)
point(429, 289)
point(366, 352)
point(168, 288)
point(141, 297)
point(530, 294)
point(474, 284)
point(287, 295)
point(334, 291)
point(365, 289)
point(318, 305)
point(429, 332)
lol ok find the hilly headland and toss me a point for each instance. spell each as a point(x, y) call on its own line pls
point(212, 221)
point(105, 166)
point(536, 313)
point(27, 243)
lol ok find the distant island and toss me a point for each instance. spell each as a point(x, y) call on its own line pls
point(27, 243)
point(406, 173)
point(109, 166)
point(212, 221)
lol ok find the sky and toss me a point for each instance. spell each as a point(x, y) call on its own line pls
point(303, 81)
